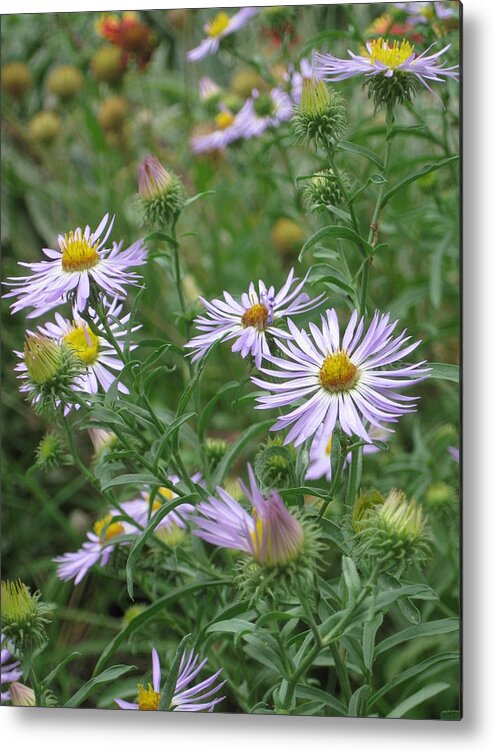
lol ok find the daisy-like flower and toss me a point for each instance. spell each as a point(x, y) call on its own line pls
point(10, 669)
point(81, 260)
point(389, 59)
point(269, 110)
point(96, 550)
point(249, 321)
point(221, 26)
point(327, 379)
point(422, 13)
point(99, 357)
point(320, 452)
point(271, 535)
point(295, 79)
point(141, 509)
point(208, 89)
point(228, 127)
point(185, 698)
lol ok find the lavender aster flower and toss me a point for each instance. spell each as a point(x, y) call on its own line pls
point(249, 321)
point(422, 13)
point(271, 534)
point(345, 381)
point(185, 698)
point(221, 26)
point(388, 59)
point(98, 355)
point(80, 260)
point(269, 111)
point(454, 453)
point(320, 452)
point(9, 669)
point(228, 127)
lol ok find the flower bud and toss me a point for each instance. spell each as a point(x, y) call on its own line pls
point(132, 612)
point(65, 81)
point(215, 451)
point(274, 463)
point(112, 114)
point(107, 65)
point(23, 615)
point(161, 195)
point(323, 190)
point(394, 533)
point(103, 441)
point(287, 236)
point(51, 451)
point(365, 503)
point(48, 371)
point(44, 128)
point(21, 696)
point(321, 116)
point(391, 90)
point(16, 79)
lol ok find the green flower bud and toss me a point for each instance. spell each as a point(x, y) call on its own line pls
point(23, 615)
point(365, 503)
point(51, 451)
point(106, 64)
point(44, 128)
point(51, 370)
point(215, 451)
point(389, 91)
point(323, 190)
point(65, 81)
point(287, 236)
point(16, 79)
point(274, 463)
point(321, 117)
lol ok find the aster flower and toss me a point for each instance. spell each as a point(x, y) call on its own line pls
point(228, 127)
point(99, 357)
point(423, 13)
point(10, 669)
point(141, 511)
point(185, 698)
point(326, 380)
point(295, 79)
point(320, 452)
point(454, 453)
point(389, 59)
point(96, 550)
point(81, 260)
point(269, 110)
point(271, 535)
point(221, 26)
point(208, 89)
point(249, 321)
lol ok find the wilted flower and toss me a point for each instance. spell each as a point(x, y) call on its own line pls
point(10, 669)
point(134, 38)
point(161, 195)
point(393, 533)
point(24, 615)
point(321, 117)
point(185, 698)
point(82, 259)
point(272, 535)
point(249, 321)
point(392, 69)
point(221, 26)
point(346, 382)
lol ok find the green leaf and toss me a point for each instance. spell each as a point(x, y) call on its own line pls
point(369, 639)
point(427, 629)
point(406, 130)
point(305, 692)
point(417, 670)
point(235, 626)
point(444, 371)
point(198, 196)
point(421, 696)
point(162, 603)
point(362, 151)
point(137, 479)
point(53, 674)
point(424, 170)
point(235, 450)
point(161, 236)
point(357, 701)
point(109, 674)
point(331, 279)
point(351, 577)
point(450, 715)
point(264, 650)
point(168, 688)
point(336, 231)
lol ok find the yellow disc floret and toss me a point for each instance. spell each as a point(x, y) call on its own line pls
point(147, 698)
point(390, 54)
point(86, 344)
point(338, 373)
point(78, 253)
point(224, 119)
point(105, 529)
point(257, 315)
point(218, 25)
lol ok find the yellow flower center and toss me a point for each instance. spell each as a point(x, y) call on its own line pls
point(257, 537)
point(105, 529)
point(147, 698)
point(329, 445)
point(390, 54)
point(218, 25)
point(338, 373)
point(166, 493)
point(78, 254)
point(224, 119)
point(84, 343)
point(256, 316)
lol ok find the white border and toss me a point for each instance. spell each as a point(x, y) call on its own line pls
point(77, 731)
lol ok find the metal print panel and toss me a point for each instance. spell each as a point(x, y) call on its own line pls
point(231, 320)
